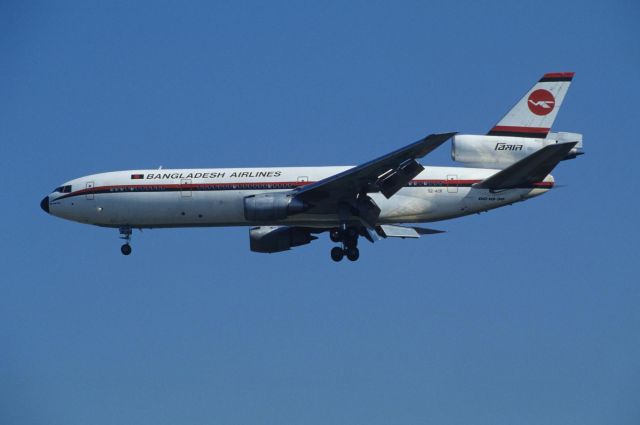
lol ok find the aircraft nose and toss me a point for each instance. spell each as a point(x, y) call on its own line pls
point(44, 204)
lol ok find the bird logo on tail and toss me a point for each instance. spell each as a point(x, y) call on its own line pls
point(541, 102)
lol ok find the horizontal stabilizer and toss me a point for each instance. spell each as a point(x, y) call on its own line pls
point(531, 169)
point(392, 231)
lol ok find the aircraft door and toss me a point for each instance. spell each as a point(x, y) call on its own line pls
point(89, 187)
point(185, 188)
point(452, 183)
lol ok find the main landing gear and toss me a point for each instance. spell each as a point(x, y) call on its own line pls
point(125, 234)
point(349, 239)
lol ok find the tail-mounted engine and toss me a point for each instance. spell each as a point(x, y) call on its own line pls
point(485, 151)
point(278, 238)
point(272, 206)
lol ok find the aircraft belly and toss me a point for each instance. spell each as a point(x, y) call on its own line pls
point(479, 200)
point(420, 205)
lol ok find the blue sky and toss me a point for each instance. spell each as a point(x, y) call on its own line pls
point(525, 315)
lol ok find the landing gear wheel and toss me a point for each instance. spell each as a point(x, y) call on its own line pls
point(352, 253)
point(125, 249)
point(337, 253)
point(335, 235)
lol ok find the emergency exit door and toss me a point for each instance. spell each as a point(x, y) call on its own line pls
point(89, 188)
point(185, 188)
point(452, 183)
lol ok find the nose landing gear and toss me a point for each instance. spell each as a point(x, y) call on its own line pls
point(125, 249)
point(349, 239)
point(125, 234)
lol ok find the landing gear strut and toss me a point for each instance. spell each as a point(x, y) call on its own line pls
point(348, 236)
point(125, 234)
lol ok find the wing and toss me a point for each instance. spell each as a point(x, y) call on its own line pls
point(386, 174)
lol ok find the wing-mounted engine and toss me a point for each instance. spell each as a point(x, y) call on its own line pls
point(270, 239)
point(486, 151)
point(272, 206)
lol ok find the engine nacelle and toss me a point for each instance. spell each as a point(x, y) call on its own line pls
point(500, 151)
point(277, 238)
point(563, 136)
point(272, 206)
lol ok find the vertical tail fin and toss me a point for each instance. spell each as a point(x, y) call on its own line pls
point(535, 113)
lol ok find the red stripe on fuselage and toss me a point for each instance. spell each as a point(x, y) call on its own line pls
point(254, 186)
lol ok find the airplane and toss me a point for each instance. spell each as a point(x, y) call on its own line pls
point(287, 207)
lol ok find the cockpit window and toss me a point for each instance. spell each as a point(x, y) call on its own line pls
point(63, 189)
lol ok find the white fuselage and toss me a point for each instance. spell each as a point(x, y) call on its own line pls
point(214, 197)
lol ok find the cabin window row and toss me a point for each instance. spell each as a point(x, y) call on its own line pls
point(248, 186)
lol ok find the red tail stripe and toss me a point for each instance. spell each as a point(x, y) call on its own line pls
point(512, 129)
point(559, 75)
